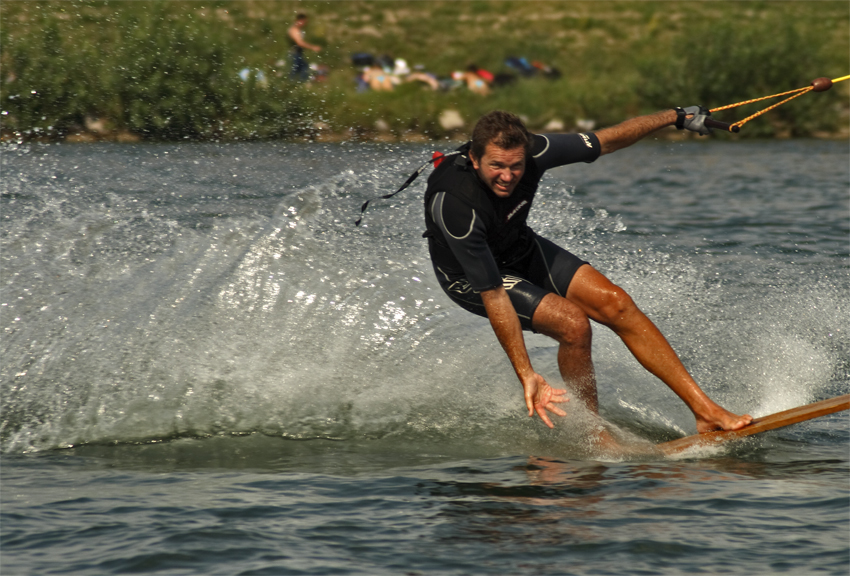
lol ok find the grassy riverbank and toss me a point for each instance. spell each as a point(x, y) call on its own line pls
point(170, 70)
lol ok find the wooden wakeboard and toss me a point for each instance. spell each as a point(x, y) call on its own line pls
point(763, 424)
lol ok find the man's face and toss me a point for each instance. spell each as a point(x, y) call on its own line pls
point(500, 169)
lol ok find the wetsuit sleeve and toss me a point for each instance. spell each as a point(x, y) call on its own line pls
point(551, 150)
point(466, 235)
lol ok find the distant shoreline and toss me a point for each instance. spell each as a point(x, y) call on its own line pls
point(327, 137)
point(183, 71)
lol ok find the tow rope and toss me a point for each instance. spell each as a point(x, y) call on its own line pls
point(818, 85)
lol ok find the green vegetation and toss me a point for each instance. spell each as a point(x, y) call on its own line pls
point(169, 70)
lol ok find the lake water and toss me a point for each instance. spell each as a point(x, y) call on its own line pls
point(207, 369)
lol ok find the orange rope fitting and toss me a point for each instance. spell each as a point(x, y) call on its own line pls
point(818, 85)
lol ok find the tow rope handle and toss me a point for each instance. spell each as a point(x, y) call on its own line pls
point(817, 85)
point(436, 158)
point(728, 126)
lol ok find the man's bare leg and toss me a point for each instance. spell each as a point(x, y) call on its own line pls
point(562, 320)
point(611, 306)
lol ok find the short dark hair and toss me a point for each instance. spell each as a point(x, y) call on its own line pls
point(501, 128)
point(300, 16)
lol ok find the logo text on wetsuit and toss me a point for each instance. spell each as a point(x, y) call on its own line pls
point(587, 141)
point(510, 282)
point(515, 210)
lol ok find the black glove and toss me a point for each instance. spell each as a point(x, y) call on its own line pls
point(696, 123)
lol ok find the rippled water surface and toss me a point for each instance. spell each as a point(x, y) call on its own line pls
point(207, 369)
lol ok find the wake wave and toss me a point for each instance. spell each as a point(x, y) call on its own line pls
point(126, 326)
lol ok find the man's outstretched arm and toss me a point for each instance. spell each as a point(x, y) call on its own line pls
point(627, 133)
point(539, 395)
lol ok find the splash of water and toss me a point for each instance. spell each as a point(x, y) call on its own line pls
point(132, 319)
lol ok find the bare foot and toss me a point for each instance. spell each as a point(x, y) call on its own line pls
point(721, 419)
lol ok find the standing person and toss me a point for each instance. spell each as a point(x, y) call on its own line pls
point(489, 262)
point(300, 68)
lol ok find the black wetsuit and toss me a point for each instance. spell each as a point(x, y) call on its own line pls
point(479, 241)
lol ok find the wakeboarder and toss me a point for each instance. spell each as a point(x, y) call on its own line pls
point(491, 263)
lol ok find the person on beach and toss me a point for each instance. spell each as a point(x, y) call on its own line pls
point(475, 82)
point(490, 262)
point(300, 68)
point(378, 79)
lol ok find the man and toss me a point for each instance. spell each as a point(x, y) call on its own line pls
point(300, 68)
point(491, 263)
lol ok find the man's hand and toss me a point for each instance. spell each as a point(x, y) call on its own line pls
point(693, 118)
point(539, 397)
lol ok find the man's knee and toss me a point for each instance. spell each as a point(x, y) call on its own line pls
point(576, 331)
point(615, 306)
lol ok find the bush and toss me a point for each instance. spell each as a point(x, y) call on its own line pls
point(46, 85)
point(170, 76)
point(732, 60)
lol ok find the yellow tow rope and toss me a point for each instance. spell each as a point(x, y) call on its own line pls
point(819, 85)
